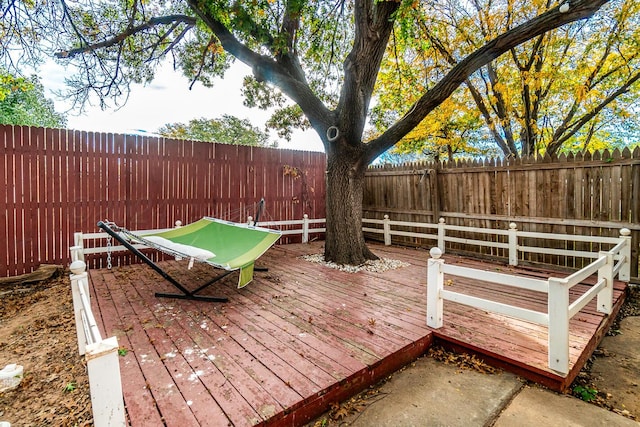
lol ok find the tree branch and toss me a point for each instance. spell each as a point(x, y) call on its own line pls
point(373, 25)
point(266, 69)
point(563, 134)
point(153, 22)
point(580, 9)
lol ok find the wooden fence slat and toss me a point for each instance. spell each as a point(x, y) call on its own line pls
point(6, 140)
point(591, 195)
point(60, 181)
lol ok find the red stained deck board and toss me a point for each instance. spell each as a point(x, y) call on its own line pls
point(365, 290)
point(284, 348)
point(335, 317)
point(158, 378)
point(252, 330)
point(140, 405)
point(392, 305)
point(325, 348)
point(228, 383)
point(295, 365)
point(188, 384)
point(283, 368)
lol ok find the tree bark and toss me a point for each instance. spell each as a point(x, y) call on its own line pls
point(344, 243)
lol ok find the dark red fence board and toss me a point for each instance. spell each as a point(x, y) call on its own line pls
point(60, 181)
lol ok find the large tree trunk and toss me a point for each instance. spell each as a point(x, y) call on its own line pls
point(344, 243)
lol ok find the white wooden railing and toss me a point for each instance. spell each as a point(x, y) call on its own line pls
point(100, 354)
point(607, 265)
point(512, 238)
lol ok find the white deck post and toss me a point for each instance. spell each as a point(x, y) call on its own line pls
point(435, 284)
point(305, 228)
point(105, 383)
point(387, 230)
point(513, 244)
point(605, 296)
point(558, 306)
point(76, 253)
point(77, 243)
point(441, 233)
point(625, 271)
point(76, 280)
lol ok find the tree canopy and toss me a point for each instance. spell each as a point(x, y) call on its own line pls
point(324, 56)
point(225, 130)
point(23, 102)
point(573, 88)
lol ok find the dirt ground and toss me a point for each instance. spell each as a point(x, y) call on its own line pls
point(37, 331)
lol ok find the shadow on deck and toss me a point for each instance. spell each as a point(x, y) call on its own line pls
point(303, 336)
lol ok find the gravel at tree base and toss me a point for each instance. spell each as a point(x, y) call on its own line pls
point(37, 331)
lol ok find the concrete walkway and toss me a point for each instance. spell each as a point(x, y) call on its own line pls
point(431, 393)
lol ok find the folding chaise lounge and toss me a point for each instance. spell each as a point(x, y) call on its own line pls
point(222, 244)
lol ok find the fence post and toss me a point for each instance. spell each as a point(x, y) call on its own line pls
point(78, 268)
point(103, 366)
point(435, 284)
point(105, 383)
point(625, 271)
point(305, 228)
point(441, 234)
point(558, 325)
point(76, 253)
point(78, 243)
point(387, 230)
point(605, 296)
point(513, 243)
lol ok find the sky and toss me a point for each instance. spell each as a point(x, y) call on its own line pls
point(167, 99)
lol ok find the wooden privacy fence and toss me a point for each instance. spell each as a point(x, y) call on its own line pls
point(590, 195)
point(59, 181)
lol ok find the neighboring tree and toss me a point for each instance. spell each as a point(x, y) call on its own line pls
point(23, 102)
point(322, 55)
point(225, 130)
point(452, 130)
point(570, 89)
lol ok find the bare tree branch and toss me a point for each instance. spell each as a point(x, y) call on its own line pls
point(152, 22)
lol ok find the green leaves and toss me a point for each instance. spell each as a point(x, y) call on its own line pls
point(585, 393)
point(226, 130)
point(22, 102)
point(569, 90)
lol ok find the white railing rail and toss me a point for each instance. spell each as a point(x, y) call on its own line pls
point(436, 232)
point(607, 265)
point(512, 242)
point(100, 354)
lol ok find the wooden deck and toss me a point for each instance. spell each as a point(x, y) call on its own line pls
point(303, 336)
